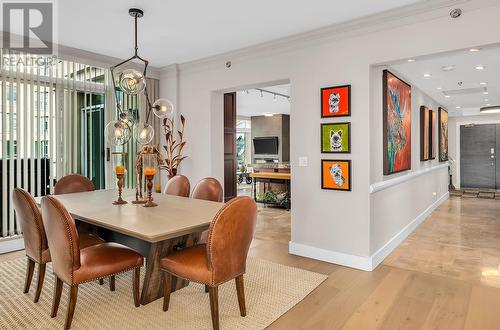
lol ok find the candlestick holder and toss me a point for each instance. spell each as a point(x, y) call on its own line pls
point(120, 171)
point(149, 165)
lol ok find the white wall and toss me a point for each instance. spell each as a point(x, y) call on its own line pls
point(394, 208)
point(329, 225)
point(454, 124)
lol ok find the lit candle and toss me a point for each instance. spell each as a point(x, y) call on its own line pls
point(120, 169)
point(150, 171)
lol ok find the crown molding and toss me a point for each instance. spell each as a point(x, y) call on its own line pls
point(411, 14)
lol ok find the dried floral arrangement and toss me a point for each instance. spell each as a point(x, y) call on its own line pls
point(174, 145)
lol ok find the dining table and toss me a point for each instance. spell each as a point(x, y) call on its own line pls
point(176, 223)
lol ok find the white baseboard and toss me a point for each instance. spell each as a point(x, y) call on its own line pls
point(349, 260)
point(11, 244)
point(360, 262)
point(385, 250)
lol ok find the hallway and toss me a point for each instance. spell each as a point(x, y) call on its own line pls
point(445, 275)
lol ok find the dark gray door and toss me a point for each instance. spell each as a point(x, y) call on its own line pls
point(477, 156)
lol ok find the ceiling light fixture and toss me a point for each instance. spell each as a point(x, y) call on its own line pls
point(485, 93)
point(133, 82)
point(490, 109)
point(479, 67)
point(448, 68)
point(411, 60)
point(483, 83)
point(473, 50)
point(427, 75)
point(458, 107)
point(447, 96)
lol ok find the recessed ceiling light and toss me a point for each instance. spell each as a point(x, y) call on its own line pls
point(485, 93)
point(448, 68)
point(483, 83)
point(480, 67)
point(458, 107)
point(440, 88)
point(427, 75)
point(268, 114)
point(473, 50)
point(411, 60)
point(447, 96)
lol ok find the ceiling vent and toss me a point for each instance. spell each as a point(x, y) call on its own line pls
point(465, 91)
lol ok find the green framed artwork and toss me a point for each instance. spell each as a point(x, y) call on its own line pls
point(336, 138)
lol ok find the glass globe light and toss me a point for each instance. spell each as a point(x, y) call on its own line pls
point(128, 117)
point(132, 82)
point(117, 133)
point(163, 108)
point(144, 133)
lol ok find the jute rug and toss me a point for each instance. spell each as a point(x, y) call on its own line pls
point(271, 290)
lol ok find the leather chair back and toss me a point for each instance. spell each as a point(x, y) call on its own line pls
point(178, 186)
point(30, 219)
point(208, 189)
point(62, 238)
point(73, 183)
point(229, 237)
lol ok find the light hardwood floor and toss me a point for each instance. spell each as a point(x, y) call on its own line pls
point(446, 275)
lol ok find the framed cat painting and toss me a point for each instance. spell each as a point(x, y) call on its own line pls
point(336, 101)
point(336, 138)
point(336, 174)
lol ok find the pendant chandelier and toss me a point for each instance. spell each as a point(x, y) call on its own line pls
point(133, 82)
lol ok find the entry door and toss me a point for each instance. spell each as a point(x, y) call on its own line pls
point(477, 156)
point(229, 146)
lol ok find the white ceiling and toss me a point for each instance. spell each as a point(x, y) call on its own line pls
point(174, 31)
point(469, 96)
point(251, 103)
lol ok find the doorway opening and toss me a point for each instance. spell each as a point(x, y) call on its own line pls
point(257, 154)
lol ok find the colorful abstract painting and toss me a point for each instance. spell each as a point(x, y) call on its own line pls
point(336, 101)
point(336, 174)
point(397, 124)
point(336, 138)
point(443, 134)
point(424, 133)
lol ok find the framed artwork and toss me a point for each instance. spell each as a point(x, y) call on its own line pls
point(443, 134)
point(424, 133)
point(432, 134)
point(336, 101)
point(336, 138)
point(336, 174)
point(396, 124)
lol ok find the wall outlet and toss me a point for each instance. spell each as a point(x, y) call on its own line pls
point(302, 161)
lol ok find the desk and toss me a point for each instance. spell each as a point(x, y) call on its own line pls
point(152, 231)
point(272, 177)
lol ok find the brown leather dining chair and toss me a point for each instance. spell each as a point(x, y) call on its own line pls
point(73, 183)
point(222, 259)
point(75, 266)
point(208, 189)
point(178, 186)
point(35, 241)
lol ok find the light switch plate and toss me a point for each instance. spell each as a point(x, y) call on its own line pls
point(302, 161)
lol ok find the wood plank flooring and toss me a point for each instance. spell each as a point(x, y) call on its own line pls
point(445, 275)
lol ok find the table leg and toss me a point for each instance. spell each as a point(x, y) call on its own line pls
point(152, 287)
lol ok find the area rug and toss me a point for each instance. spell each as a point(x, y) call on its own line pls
point(271, 290)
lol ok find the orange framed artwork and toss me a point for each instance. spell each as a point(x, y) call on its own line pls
point(336, 101)
point(336, 174)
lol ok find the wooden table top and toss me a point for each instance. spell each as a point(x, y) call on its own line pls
point(271, 175)
point(174, 216)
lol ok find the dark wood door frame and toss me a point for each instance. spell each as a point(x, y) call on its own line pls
point(230, 190)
